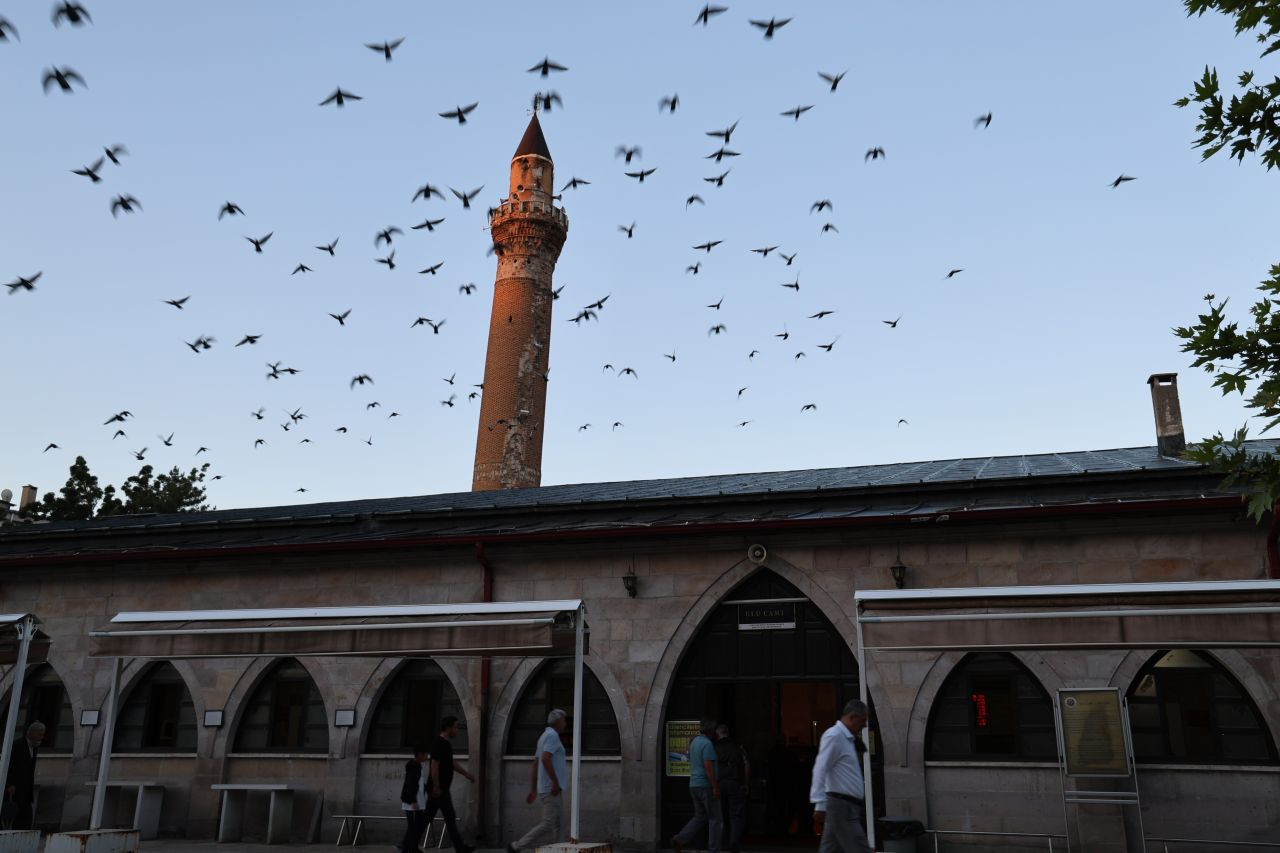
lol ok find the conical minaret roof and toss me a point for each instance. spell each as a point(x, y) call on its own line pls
point(533, 142)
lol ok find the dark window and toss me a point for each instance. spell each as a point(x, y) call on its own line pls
point(552, 687)
point(158, 715)
point(991, 708)
point(284, 714)
point(1184, 707)
point(44, 699)
point(411, 707)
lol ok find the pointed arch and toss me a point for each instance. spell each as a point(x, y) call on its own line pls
point(44, 699)
point(407, 710)
point(551, 686)
point(284, 713)
point(990, 707)
point(1186, 707)
point(157, 714)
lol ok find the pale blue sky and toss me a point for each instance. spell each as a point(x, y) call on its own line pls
point(1042, 344)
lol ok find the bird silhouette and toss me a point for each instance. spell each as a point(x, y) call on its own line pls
point(386, 47)
point(50, 446)
point(670, 355)
point(953, 273)
point(389, 261)
point(167, 442)
point(139, 454)
point(771, 25)
point(341, 318)
point(873, 154)
point(794, 285)
point(821, 205)
point(460, 113)
point(64, 77)
point(764, 252)
point(830, 346)
point(797, 111)
point(72, 13)
point(91, 172)
point(742, 390)
point(230, 209)
point(717, 329)
point(641, 175)
point(425, 192)
point(725, 134)
point(892, 324)
point(125, 203)
point(984, 121)
point(258, 414)
point(467, 289)
point(903, 422)
point(691, 199)
point(431, 270)
point(629, 231)
point(1121, 180)
point(118, 434)
point(248, 339)
point(7, 29)
point(543, 101)
point(22, 283)
point(177, 303)
point(809, 407)
point(716, 305)
point(258, 442)
point(385, 235)
point(788, 258)
point(200, 450)
point(821, 314)
point(118, 417)
point(721, 154)
point(466, 198)
point(361, 379)
point(328, 247)
point(340, 98)
point(113, 153)
point(574, 183)
point(693, 268)
point(829, 226)
point(627, 371)
point(707, 11)
point(429, 224)
point(300, 268)
point(669, 103)
point(546, 66)
point(628, 153)
point(718, 180)
point(709, 245)
point(258, 243)
point(833, 79)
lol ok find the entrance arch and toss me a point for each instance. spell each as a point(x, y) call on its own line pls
point(768, 663)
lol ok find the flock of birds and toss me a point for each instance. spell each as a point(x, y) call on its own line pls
point(65, 81)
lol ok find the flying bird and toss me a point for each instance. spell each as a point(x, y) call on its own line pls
point(821, 205)
point(628, 153)
point(50, 446)
point(73, 13)
point(90, 172)
point(771, 25)
point(720, 155)
point(300, 268)
point(902, 422)
point(385, 235)
point(627, 371)
point(139, 454)
point(821, 314)
point(425, 192)
point(707, 11)
point(669, 103)
point(709, 245)
point(788, 258)
point(258, 243)
point(118, 417)
point(177, 303)
point(984, 121)
point(429, 224)
point(167, 442)
point(717, 329)
point(259, 441)
point(546, 66)
point(466, 198)
point(797, 111)
point(341, 318)
point(113, 153)
point(340, 97)
point(892, 324)
point(200, 343)
point(828, 347)
point(468, 288)
point(460, 113)
point(833, 79)
point(693, 268)
point(716, 305)
point(670, 355)
point(691, 199)
point(328, 247)
point(873, 154)
point(1121, 180)
point(718, 180)
point(248, 339)
point(389, 260)
point(431, 270)
point(764, 252)
point(125, 203)
point(641, 175)
point(25, 284)
point(829, 226)
point(544, 100)
point(6, 29)
point(628, 231)
point(574, 183)
point(361, 379)
point(230, 208)
point(118, 433)
point(386, 47)
point(724, 134)
point(954, 272)
point(200, 450)
point(809, 407)
point(794, 285)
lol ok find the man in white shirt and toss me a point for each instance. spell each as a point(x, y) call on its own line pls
point(547, 778)
point(838, 789)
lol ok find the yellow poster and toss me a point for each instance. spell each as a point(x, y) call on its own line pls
point(1093, 732)
point(679, 733)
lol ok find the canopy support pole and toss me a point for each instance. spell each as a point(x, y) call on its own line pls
point(26, 631)
point(580, 623)
point(104, 758)
point(868, 788)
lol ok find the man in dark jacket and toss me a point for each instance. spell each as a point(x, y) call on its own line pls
point(20, 789)
point(443, 766)
point(735, 781)
point(413, 800)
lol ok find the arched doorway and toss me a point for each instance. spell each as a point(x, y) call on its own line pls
point(771, 666)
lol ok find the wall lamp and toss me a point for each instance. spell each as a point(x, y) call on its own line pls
point(899, 572)
point(629, 582)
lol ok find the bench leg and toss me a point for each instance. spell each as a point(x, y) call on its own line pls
point(355, 839)
point(280, 817)
point(231, 822)
point(146, 812)
point(342, 830)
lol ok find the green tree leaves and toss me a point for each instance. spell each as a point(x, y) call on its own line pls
point(81, 498)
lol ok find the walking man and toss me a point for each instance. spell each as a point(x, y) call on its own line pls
point(704, 790)
point(733, 771)
point(20, 789)
point(443, 766)
point(413, 799)
point(547, 777)
point(838, 788)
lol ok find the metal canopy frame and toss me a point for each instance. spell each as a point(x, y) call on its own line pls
point(21, 642)
point(509, 628)
point(1113, 616)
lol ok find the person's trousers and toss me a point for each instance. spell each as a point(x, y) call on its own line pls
point(22, 815)
point(548, 827)
point(733, 797)
point(706, 813)
point(414, 827)
point(843, 831)
point(444, 805)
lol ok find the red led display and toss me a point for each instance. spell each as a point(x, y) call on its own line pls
point(979, 701)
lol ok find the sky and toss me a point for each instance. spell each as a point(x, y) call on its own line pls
point(1069, 290)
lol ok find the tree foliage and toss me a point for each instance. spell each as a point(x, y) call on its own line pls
point(81, 497)
point(1243, 361)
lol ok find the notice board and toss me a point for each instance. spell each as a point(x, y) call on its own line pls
point(1092, 724)
point(679, 733)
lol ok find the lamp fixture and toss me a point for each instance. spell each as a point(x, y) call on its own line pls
point(899, 571)
point(629, 582)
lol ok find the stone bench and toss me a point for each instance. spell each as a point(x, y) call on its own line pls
point(279, 812)
point(146, 808)
point(356, 821)
point(94, 841)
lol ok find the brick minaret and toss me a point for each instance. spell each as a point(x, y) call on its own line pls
point(528, 231)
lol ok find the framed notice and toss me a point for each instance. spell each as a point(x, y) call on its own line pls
point(767, 616)
point(679, 733)
point(1092, 731)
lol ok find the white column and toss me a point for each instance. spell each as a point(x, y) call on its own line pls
point(868, 788)
point(26, 630)
point(581, 621)
point(104, 758)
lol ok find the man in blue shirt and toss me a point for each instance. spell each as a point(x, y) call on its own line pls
point(547, 778)
point(704, 790)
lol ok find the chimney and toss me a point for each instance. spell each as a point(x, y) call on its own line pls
point(1170, 439)
point(28, 497)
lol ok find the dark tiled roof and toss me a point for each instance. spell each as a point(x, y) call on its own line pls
point(948, 487)
point(533, 142)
